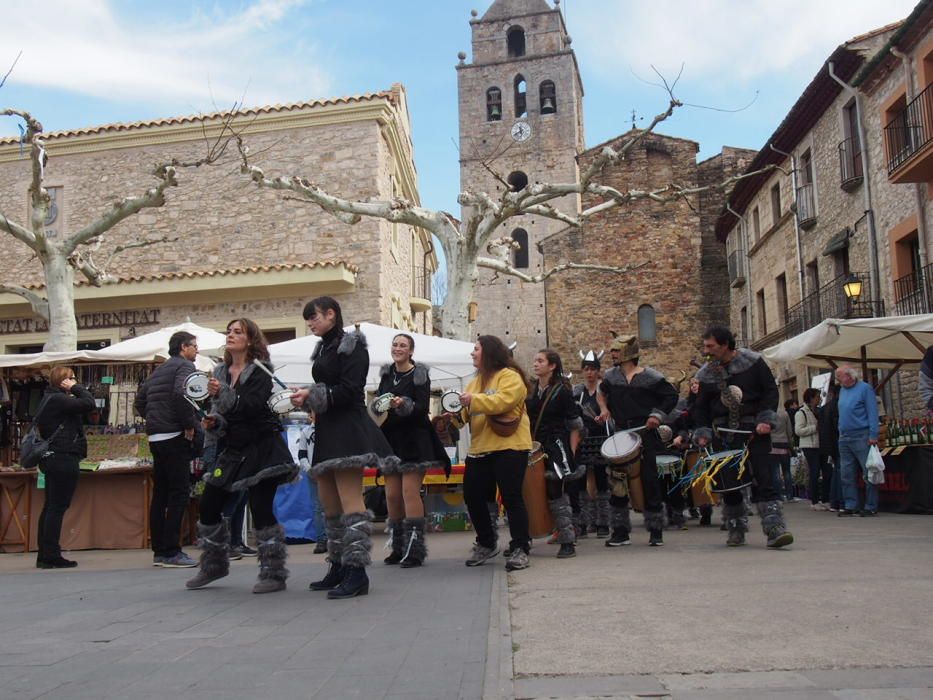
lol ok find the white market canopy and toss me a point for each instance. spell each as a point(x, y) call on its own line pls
point(876, 343)
point(448, 359)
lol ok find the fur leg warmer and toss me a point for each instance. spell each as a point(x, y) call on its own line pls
point(214, 541)
point(394, 542)
point(415, 547)
point(772, 523)
point(334, 528)
point(655, 520)
point(602, 509)
point(621, 518)
point(587, 509)
point(562, 514)
point(357, 539)
point(734, 517)
point(270, 541)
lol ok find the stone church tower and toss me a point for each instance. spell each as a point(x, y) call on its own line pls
point(521, 119)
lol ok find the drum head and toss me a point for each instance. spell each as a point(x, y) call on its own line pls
point(725, 454)
point(667, 460)
point(620, 447)
point(281, 402)
point(450, 401)
point(196, 386)
point(382, 404)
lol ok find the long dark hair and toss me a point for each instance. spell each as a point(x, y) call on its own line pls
point(324, 304)
point(557, 376)
point(496, 356)
point(256, 348)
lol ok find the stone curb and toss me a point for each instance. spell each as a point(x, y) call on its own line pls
point(498, 683)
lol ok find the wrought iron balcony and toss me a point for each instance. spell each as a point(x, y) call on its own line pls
point(906, 135)
point(913, 293)
point(806, 206)
point(421, 286)
point(737, 268)
point(850, 164)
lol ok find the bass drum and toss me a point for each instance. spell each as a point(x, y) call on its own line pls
point(534, 493)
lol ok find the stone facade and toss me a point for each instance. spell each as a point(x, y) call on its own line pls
point(355, 148)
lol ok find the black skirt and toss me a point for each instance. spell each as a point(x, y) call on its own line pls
point(348, 439)
point(238, 468)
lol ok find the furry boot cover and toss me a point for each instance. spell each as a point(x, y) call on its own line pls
point(395, 542)
point(214, 542)
point(678, 520)
point(621, 519)
point(773, 525)
point(655, 520)
point(272, 555)
point(333, 526)
point(602, 509)
point(357, 539)
point(562, 514)
point(736, 523)
point(415, 546)
point(587, 510)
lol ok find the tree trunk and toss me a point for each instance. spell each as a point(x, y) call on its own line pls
point(59, 285)
point(462, 277)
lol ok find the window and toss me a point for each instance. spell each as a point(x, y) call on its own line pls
point(521, 107)
point(775, 204)
point(515, 42)
point(743, 324)
point(850, 150)
point(756, 223)
point(548, 96)
point(647, 330)
point(841, 262)
point(806, 168)
point(493, 104)
point(781, 283)
point(762, 320)
point(806, 196)
point(520, 257)
point(813, 276)
point(517, 180)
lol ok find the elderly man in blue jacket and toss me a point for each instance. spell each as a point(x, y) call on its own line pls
point(858, 431)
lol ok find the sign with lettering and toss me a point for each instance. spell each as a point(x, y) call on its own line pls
point(97, 319)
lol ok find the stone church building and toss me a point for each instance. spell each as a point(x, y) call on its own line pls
point(521, 118)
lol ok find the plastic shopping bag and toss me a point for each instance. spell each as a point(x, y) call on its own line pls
point(874, 465)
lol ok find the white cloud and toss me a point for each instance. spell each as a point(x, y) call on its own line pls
point(89, 47)
point(721, 38)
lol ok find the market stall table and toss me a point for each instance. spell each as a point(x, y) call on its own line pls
point(908, 479)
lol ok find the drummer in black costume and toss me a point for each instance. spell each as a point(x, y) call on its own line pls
point(345, 440)
point(586, 396)
point(415, 442)
point(556, 424)
point(251, 455)
point(682, 426)
point(636, 396)
point(751, 408)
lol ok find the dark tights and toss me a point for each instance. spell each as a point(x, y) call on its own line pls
point(260, 503)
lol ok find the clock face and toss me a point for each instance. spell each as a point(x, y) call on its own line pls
point(521, 131)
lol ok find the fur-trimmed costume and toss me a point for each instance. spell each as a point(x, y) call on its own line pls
point(595, 511)
point(345, 436)
point(408, 428)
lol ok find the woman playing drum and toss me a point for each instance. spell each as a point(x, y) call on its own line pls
point(251, 455)
point(345, 441)
point(416, 444)
point(557, 425)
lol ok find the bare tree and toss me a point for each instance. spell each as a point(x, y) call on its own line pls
point(62, 256)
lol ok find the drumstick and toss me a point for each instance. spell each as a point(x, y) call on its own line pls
point(197, 407)
point(265, 369)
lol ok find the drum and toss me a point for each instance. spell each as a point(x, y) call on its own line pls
point(450, 401)
point(621, 448)
point(196, 386)
point(378, 408)
point(622, 451)
point(280, 403)
point(697, 493)
point(723, 471)
point(669, 466)
point(534, 493)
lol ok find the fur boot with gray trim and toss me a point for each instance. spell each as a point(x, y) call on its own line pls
point(215, 564)
point(655, 520)
point(562, 514)
point(773, 525)
point(355, 557)
point(587, 512)
point(270, 541)
point(415, 547)
point(395, 542)
point(602, 512)
point(733, 515)
point(335, 531)
point(621, 523)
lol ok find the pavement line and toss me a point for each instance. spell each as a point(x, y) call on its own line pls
point(498, 679)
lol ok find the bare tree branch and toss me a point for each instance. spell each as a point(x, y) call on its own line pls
point(505, 268)
point(7, 75)
point(38, 303)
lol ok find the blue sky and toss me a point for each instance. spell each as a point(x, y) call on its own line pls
point(99, 61)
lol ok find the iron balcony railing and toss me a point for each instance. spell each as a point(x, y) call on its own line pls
point(737, 268)
point(806, 205)
point(910, 130)
point(913, 293)
point(421, 283)
point(850, 163)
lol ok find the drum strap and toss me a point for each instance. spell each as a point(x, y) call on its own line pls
point(547, 398)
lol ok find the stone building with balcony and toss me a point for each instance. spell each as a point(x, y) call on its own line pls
point(236, 250)
point(795, 235)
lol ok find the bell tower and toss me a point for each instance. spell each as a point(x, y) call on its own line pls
point(521, 122)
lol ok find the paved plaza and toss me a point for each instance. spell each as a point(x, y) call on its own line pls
point(845, 613)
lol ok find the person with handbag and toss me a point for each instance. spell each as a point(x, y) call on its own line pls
point(493, 405)
point(557, 426)
point(345, 441)
point(414, 441)
point(251, 455)
point(807, 427)
point(60, 421)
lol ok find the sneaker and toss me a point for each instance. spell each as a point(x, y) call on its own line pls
point(602, 532)
point(736, 538)
point(179, 561)
point(656, 539)
point(320, 547)
point(567, 550)
point(244, 550)
point(481, 554)
point(518, 560)
point(694, 514)
point(553, 538)
point(619, 538)
point(157, 560)
point(57, 562)
point(867, 513)
point(232, 554)
point(832, 509)
point(846, 513)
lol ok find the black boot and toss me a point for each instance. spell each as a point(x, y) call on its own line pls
point(215, 542)
point(395, 542)
point(621, 527)
point(736, 523)
point(416, 548)
point(654, 524)
point(355, 582)
point(355, 557)
point(334, 574)
point(706, 515)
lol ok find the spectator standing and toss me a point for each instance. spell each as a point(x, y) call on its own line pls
point(925, 380)
point(858, 431)
point(782, 440)
point(807, 424)
point(828, 416)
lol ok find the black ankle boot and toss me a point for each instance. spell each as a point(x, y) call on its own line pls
point(331, 579)
point(56, 562)
point(355, 582)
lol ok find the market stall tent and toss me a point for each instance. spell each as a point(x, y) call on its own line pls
point(448, 359)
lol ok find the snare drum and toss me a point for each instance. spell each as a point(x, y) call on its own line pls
point(669, 466)
point(621, 448)
point(724, 471)
point(280, 403)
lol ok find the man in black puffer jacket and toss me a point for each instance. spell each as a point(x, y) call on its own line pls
point(170, 425)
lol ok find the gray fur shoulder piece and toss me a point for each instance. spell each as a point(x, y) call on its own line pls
point(649, 376)
point(743, 360)
point(421, 375)
point(349, 342)
point(708, 373)
point(384, 370)
point(614, 375)
point(577, 390)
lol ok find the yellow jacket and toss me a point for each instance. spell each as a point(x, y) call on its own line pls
point(506, 394)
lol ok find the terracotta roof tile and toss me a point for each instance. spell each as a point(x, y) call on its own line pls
point(191, 274)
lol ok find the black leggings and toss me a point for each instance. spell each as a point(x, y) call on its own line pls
point(61, 479)
point(260, 503)
point(505, 468)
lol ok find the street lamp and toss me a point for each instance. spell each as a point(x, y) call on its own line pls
point(852, 288)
